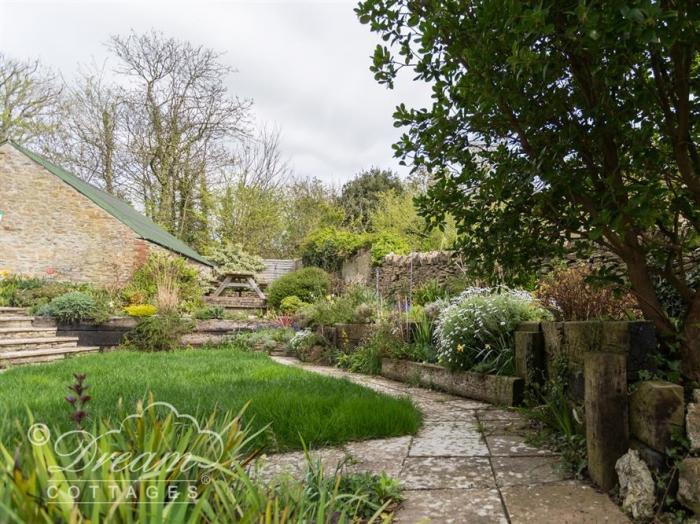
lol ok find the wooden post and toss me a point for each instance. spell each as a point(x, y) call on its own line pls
point(529, 356)
point(607, 426)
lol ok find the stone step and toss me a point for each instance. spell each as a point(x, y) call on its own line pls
point(21, 344)
point(15, 321)
point(237, 303)
point(12, 311)
point(26, 332)
point(36, 356)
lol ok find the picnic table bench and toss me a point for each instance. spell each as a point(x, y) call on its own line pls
point(239, 281)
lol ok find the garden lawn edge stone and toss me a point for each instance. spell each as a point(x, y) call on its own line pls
point(496, 389)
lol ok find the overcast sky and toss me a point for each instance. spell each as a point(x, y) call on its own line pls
point(304, 64)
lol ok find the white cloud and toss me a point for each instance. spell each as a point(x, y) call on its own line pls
point(305, 65)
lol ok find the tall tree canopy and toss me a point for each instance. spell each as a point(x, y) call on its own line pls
point(558, 124)
point(29, 97)
point(360, 196)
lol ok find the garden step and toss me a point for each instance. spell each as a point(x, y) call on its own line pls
point(12, 311)
point(240, 303)
point(34, 356)
point(37, 343)
point(15, 321)
point(26, 332)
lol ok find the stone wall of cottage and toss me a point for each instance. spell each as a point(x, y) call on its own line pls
point(48, 229)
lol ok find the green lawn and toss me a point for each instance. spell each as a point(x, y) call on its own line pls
point(298, 404)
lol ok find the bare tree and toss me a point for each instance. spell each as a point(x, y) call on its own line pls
point(88, 141)
point(179, 122)
point(259, 162)
point(28, 99)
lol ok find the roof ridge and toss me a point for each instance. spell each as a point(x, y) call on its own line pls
point(116, 207)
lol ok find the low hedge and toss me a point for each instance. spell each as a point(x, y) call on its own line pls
point(308, 284)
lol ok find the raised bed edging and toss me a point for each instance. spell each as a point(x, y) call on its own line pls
point(496, 389)
point(112, 332)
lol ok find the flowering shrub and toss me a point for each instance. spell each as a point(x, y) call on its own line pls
point(475, 332)
point(302, 341)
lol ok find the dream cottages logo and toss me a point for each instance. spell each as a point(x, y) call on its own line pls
point(105, 467)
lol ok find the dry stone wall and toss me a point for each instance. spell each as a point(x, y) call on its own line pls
point(398, 274)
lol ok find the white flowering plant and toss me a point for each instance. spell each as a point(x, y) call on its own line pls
point(302, 341)
point(476, 331)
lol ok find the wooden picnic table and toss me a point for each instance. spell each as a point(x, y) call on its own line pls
point(239, 281)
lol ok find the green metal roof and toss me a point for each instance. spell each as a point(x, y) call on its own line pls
point(140, 224)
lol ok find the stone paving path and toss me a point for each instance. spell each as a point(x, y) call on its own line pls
point(469, 463)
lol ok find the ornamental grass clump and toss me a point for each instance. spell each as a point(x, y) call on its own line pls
point(476, 331)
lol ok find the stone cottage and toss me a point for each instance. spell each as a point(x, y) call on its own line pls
point(55, 225)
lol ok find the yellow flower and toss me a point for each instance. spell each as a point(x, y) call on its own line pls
point(460, 348)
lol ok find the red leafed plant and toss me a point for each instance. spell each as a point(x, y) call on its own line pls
point(570, 294)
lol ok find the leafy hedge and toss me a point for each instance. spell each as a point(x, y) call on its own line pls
point(329, 247)
point(386, 243)
point(307, 284)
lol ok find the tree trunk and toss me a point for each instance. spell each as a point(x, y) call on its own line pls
point(690, 341)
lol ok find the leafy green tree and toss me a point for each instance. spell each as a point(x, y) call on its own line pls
point(396, 213)
point(359, 196)
point(558, 125)
point(308, 205)
point(252, 217)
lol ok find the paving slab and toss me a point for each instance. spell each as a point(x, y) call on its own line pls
point(452, 473)
point(449, 439)
point(294, 464)
point(377, 456)
point(443, 412)
point(452, 506)
point(513, 446)
point(469, 404)
point(516, 471)
point(571, 502)
point(447, 473)
point(498, 414)
point(505, 427)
